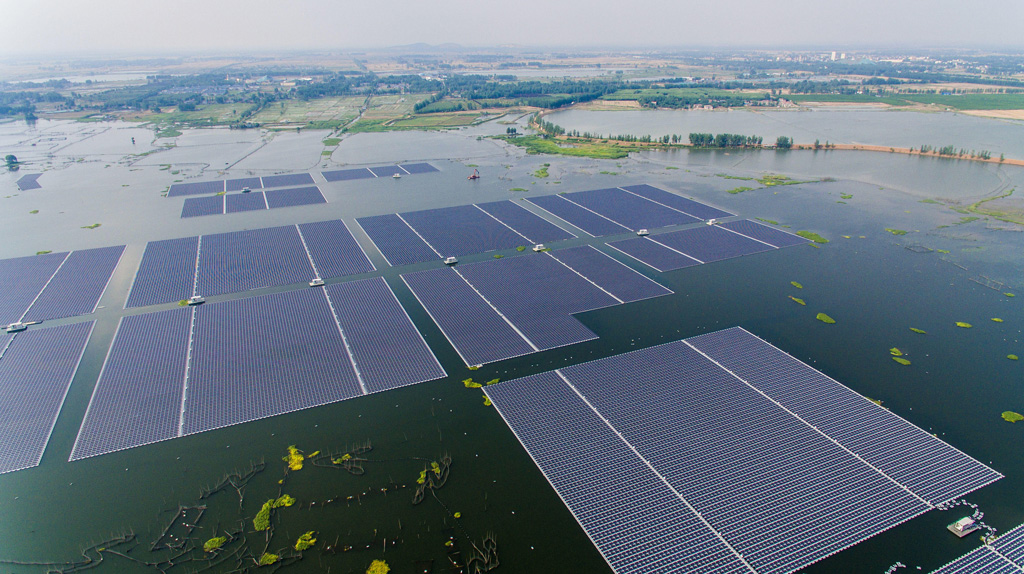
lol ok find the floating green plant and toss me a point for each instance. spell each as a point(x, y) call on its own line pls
point(44, 252)
point(795, 284)
point(1009, 294)
point(942, 250)
point(93, 226)
point(294, 458)
point(964, 325)
point(1012, 417)
point(261, 521)
point(492, 382)
point(740, 189)
point(896, 231)
point(471, 384)
point(1012, 357)
point(997, 319)
point(798, 300)
point(183, 302)
point(671, 167)
point(771, 221)
point(423, 477)
point(895, 352)
point(378, 567)
point(919, 331)
point(812, 236)
point(518, 189)
point(498, 256)
point(34, 211)
point(487, 401)
point(457, 515)
point(435, 468)
point(267, 559)
point(876, 401)
point(284, 501)
point(846, 195)
point(473, 367)
point(521, 248)
point(825, 318)
point(901, 360)
point(306, 541)
point(220, 193)
point(214, 543)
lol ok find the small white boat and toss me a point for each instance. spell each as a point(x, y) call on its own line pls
point(963, 527)
point(246, 189)
point(16, 326)
point(711, 222)
point(397, 176)
point(450, 261)
point(317, 282)
point(643, 232)
point(196, 300)
point(539, 247)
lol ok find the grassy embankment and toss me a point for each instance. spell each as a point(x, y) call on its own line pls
point(957, 102)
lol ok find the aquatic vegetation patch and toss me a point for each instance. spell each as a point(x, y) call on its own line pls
point(34, 211)
point(267, 559)
point(919, 331)
point(798, 300)
point(294, 458)
point(1012, 417)
point(763, 220)
point(521, 248)
point(997, 319)
point(306, 541)
point(1012, 357)
point(378, 567)
point(738, 190)
point(895, 352)
point(812, 236)
point(543, 171)
point(471, 384)
point(846, 195)
point(487, 401)
point(93, 226)
point(214, 543)
point(261, 522)
point(1009, 294)
point(896, 231)
point(796, 284)
point(331, 142)
point(963, 325)
point(43, 252)
point(498, 256)
point(519, 189)
point(183, 303)
point(901, 360)
point(825, 319)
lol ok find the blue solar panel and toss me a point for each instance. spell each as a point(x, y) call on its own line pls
point(533, 227)
point(294, 197)
point(239, 202)
point(396, 241)
point(586, 220)
point(388, 350)
point(167, 272)
point(614, 277)
point(23, 279)
point(708, 243)
point(137, 400)
point(335, 252)
point(348, 174)
point(769, 235)
point(416, 168)
point(196, 188)
point(29, 181)
point(35, 374)
point(653, 254)
point(688, 206)
point(1004, 556)
point(637, 522)
point(387, 170)
point(287, 179)
point(242, 183)
point(462, 230)
point(1011, 545)
point(264, 356)
point(628, 209)
point(476, 331)
point(200, 206)
point(244, 260)
point(539, 295)
point(78, 285)
point(934, 470)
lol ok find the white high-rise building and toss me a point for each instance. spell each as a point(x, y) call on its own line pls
point(833, 56)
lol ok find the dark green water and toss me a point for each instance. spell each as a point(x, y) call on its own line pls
point(956, 387)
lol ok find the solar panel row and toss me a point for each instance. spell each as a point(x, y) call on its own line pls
point(629, 210)
point(396, 241)
point(653, 254)
point(691, 424)
point(334, 251)
point(576, 215)
point(238, 184)
point(256, 201)
point(1004, 556)
point(677, 202)
point(167, 272)
point(195, 188)
point(462, 230)
point(620, 281)
point(240, 202)
point(29, 181)
point(244, 260)
point(533, 228)
point(23, 279)
point(35, 373)
point(200, 206)
point(375, 172)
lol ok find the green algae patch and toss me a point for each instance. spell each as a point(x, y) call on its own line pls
point(1012, 417)
point(876, 401)
point(261, 522)
point(93, 226)
point(1009, 294)
point(963, 325)
point(738, 190)
point(378, 567)
point(487, 401)
point(763, 220)
point(44, 252)
point(896, 231)
point(34, 211)
point(901, 360)
point(183, 303)
point(306, 541)
point(825, 319)
point(1012, 357)
point(284, 501)
point(997, 319)
point(795, 284)
point(812, 236)
point(294, 458)
point(521, 248)
point(919, 331)
point(471, 384)
point(798, 300)
point(473, 367)
point(895, 352)
point(267, 559)
point(214, 543)
point(498, 256)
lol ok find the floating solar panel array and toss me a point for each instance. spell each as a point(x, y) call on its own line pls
point(509, 307)
point(255, 201)
point(620, 209)
point(55, 285)
point(721, 445)
point(374, 172)
point(36, 370)
point(189, 370)
point(29, 181)
point(687, 247)
point(211, 187)
point(1004, 556)
point(176, 269)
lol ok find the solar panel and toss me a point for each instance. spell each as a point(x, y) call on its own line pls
point(1005, 555)
point(333, 249)
point(78, 285)
point(708, 243)
point(166, 273)
point(936, 471)
point(476, 331)
point(629, 210)
point(137, 400)
point(586, 220)
point(531, 226)
point(769, 235)
point(287, 179)
point(23, 279)
point(621, 281)
point(1011, 545)
point(744, 459)
point(347, 174)
point(462, 230)
point(655, 255)
point(538, 295)
point(196, 188)
point(239, 202)
point(242, 183)
point(200, 206)
point(395, 240)
point(387, 348)
point(416, 168)
point(294, 197)
point(35, 374)
point(387, 170)
point(264, 356)
point(688, 206)
point(243, 260)
point(635, 519)
point(28, 182)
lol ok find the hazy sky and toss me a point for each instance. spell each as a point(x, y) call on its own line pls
point(146, 27)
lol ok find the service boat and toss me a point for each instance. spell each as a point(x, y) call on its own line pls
point(539, 247)
point(963, 527)
point(16, 326)
point(643, 233)
point(196, 300)
point(246, 189)
point(396, 176)
point(450, 261)
point(317, 282)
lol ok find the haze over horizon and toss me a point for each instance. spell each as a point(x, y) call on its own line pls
point(67, 28)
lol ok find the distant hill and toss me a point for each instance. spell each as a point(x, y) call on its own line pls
point(423, 48)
